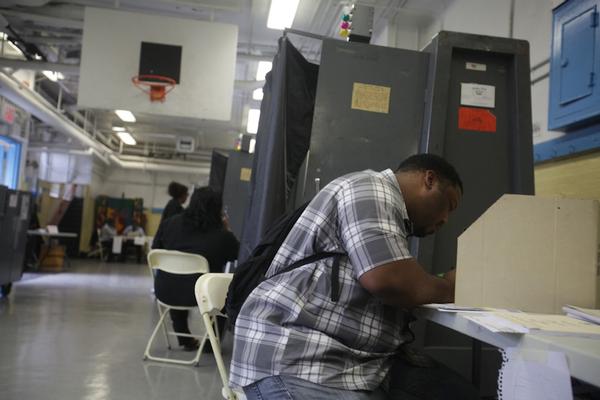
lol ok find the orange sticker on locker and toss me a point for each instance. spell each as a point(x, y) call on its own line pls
point(476, 119)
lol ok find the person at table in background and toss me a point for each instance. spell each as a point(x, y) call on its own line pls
point(202, 229)
point(130, 233)
point(179, 195)
point(107, 234)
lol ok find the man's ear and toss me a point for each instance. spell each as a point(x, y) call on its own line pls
point(430, 177)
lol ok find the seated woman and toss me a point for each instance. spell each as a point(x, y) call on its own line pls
point(107, 234)
point(200, 229)
point(130, 232)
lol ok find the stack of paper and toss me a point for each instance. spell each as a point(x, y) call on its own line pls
point(516, 322)
point(494, 323)
point(451, 307)
point(584, 314)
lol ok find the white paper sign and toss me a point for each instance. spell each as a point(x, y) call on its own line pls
point(475, 66)
point(13, 200)
point(139, 240)
point(534, 374)
point(24, 208)
point(117, 244)
point(475, 94)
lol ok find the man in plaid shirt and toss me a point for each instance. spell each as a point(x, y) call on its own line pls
point(293, 341)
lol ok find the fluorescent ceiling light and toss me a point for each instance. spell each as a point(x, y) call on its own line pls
point(257, 94)
point(282, 13)
point(253, 117)
point(263, 68)
point(118, 128)
point(126, 138)
point(126, 116)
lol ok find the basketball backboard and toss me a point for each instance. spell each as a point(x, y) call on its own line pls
point(119, 45)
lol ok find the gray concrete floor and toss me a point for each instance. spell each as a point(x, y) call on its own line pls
point(81, 334)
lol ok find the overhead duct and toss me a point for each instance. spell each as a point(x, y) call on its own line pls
point(35, 104)
point(142, 163)
point(89, 151)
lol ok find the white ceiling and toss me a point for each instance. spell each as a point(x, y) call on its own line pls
point(55, 27)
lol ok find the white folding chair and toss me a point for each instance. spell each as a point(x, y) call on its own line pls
point(211, 291)
point(174, 262)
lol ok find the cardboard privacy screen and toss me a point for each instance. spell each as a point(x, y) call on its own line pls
point(530, 253)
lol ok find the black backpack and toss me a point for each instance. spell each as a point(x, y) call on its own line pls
point(251, 272)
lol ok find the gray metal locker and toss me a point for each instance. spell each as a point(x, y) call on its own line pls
point(491, 161)
point(236, 189)
point(346, 139)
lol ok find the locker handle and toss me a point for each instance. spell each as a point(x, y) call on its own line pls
point(564, 62)
point(317, 184)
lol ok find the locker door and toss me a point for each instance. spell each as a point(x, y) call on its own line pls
point(368, 111)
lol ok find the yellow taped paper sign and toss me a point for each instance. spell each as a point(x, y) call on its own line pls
point(245, 174)
point(371, 98)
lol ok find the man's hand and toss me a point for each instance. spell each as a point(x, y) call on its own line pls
point(450, 276)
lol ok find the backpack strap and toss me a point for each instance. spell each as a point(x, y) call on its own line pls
point(335, 278)
point(335, 270)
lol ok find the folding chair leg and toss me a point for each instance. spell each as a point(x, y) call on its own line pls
point(216, 326)
point(164, 326)
point(148, 356)
point(214, 342)
point(161, 319)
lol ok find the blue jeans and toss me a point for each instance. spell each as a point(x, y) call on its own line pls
point(407, 382)
point(292, 388)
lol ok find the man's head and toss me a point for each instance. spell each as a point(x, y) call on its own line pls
point(431, 188)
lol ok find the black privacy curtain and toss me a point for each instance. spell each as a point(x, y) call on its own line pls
point(282, 141)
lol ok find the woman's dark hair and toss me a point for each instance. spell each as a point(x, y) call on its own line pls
point(204, 211)
point(423, 162)
point(177, 190)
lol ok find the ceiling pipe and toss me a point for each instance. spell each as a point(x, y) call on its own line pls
point(69, 69)
point(27, 3)
point(35, 104)
point(44, 20)
point(63, 40)
point(154, 166)
point(89, 151)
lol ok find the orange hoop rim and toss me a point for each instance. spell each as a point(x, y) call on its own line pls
point(166, 84)
point(166, 81)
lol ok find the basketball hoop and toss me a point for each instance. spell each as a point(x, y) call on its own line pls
point(157, 86)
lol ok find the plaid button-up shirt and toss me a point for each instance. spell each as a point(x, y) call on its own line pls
point(290, 326)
